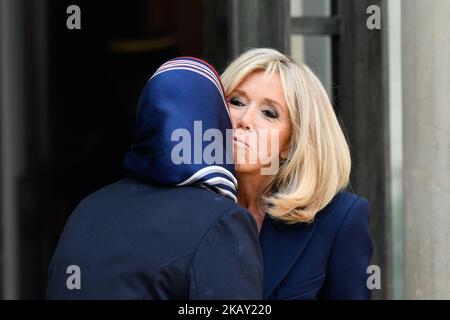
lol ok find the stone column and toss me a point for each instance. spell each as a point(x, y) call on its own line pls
point(426, 153)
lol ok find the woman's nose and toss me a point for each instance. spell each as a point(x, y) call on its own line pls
point(245, 120)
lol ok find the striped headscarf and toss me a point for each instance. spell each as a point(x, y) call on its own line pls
point(182, 92)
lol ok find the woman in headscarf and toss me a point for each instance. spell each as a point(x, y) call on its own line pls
point(172, 228)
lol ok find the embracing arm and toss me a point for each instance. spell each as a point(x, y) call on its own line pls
point(350, 256)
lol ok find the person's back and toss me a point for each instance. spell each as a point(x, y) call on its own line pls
point(132, 240)
point(172, 229)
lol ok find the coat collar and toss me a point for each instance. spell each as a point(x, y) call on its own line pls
point(281, 245)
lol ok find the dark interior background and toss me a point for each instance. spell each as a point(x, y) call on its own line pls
point(95, 77)
point(95, 86)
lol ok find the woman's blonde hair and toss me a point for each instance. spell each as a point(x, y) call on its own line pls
point(318, 165)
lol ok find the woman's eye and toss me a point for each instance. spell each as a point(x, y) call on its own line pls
point(270, 114)
point(236, 102)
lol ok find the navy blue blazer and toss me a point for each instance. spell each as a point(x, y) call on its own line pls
point(135, 240)
point(327, 259)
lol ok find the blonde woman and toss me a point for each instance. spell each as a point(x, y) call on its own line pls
point(314, 235)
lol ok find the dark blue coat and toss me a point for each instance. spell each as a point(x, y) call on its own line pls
point(134, 240)
point(327, 259)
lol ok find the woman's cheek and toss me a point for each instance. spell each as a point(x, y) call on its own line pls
point(268, 143)
point(234, 115)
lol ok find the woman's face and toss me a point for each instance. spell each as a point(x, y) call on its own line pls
point(261, 122)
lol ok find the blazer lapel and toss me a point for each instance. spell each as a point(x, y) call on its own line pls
point(281, 246)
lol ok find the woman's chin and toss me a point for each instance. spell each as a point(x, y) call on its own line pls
point(247, 168)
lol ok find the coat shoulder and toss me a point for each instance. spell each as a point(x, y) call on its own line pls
point(343, 205)
point(149, 197)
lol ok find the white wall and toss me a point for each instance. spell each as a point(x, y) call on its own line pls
point(426, 134)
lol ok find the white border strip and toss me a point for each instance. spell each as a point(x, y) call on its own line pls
point(394, 25)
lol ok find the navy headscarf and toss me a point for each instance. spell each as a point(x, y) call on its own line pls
point(182, 91)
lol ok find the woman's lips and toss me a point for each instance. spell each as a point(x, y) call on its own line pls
point(241, 141)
